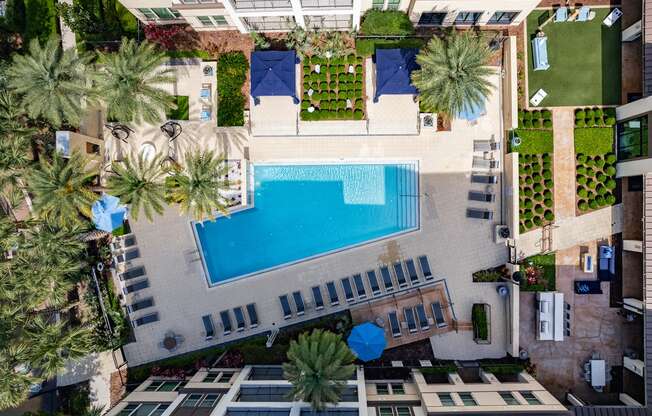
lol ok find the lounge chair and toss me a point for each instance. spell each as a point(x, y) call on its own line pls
point(481, 196)
point(126, 256)
point(348, 289)
point(561, 14)
point(425, 267)
point(209, 329)
point(332, 294)
point(122, 243)
point(394, 325)
point(299, 303)
point(400, 275)
point(317, 298)
point(253, 315)
point(144, 320)
point(438, 314)
point(132, 273)
point(481, 214)
point(140, 285)
point(422, 317)
point(485, 145)
point(140, 305)
point(373, 282)
point(587, 287)
point(285, 306)
point(485, 179)
point(482, 163)
point(205, 91)
point(359, 286)
point(410, 320)
point(387, 279)
point(226, 322)
point(585, 14)
point(206, 113)
point(606, 263)
point(239, 319)
point(412, 271)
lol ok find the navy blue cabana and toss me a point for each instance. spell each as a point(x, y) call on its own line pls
point(393, 69)
point(273, 73)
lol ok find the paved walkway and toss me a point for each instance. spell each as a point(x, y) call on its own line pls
point(564, 162)
point(97, 369)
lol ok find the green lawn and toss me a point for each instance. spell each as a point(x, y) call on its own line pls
point(584, 60)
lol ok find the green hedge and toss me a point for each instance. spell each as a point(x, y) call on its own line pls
point(595, 117)
point(534, 142)
point(367, 46)
point(535, 119)
point(594, 141)
point(189, 54)
point(232, 70)
point(40, 20)
point(480, 322)
point(386, 23)
point(502, 368)
point(439, 369)
point(182, 110)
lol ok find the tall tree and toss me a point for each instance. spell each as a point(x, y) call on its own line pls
point(51, 83)
point(61, 189)
point(139, 183)
point(453, 73)
point(198, 187)
point(129, 83)
point(318, 366)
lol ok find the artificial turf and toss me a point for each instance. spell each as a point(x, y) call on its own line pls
point(584, 58)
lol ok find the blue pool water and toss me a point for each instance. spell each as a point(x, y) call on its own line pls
point(301, 211)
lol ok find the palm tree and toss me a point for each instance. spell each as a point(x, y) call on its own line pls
point(197, 187)
point(139, 184)
point(51, 83)
point(47, 241)
point(318, 366)
point(60, 189)
point(14, 159)
point(11, 115)
point(14, 385)
point(130, 80)
point(453, 74)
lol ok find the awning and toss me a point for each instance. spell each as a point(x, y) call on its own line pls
point(393, 70)
point(273, 73)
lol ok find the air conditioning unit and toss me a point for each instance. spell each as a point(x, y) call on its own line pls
point(501, 234)
point(428, 120)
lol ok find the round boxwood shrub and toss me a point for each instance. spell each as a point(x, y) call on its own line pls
point(588, 113)
point(610, 199)
point(547, 174)
point(323, 85)
point(528, 204)
point(549, 216)
point(591, 184)
point(358, 115)
point(610, 121)
point(536, 114)
point(537, 178)
point(597, 112)
point(538, 197)
point(521, 228)
point(537, 221)
point(527, 123)
point(305, 104)
point(549, 183)
point(538, 209)
point(580, 170)
point(599, 163)
point(611, 171)
point(546, 114)
point(583, 205)
point(600, 200)
point(358, 69)
point(547, 203)
point(528, 224)
point(538, 187)
point(536, 167)
point(528, 192)
point(546, 157)
point(547, 194)
point(601, 177)
point(537, 123)
point(581, 158)
point(610, 158)
point(527, 169)
point(527, 115)
point(601, 190)
point(593, 204)
point(582, 192)
point(590, 122)
point(521, 114)
point(528, 180)
point(528, 214)
point(547, 124)
point(581, 179)
point(580, 123)
point(610, 184)
point(579, 114)
point(589, 162)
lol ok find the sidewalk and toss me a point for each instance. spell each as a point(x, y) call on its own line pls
point(563, 120)
point(95, 368)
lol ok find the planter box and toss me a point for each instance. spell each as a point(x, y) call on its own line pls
point(481, 316)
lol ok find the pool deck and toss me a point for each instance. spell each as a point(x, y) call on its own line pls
point(455, 245)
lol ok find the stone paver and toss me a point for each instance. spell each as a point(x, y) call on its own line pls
point(563, 120)
point(97, 369)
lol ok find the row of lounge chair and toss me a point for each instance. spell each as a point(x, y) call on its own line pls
point(487, 148)
point(399, 275)
point(416, 319)
point(242, 322)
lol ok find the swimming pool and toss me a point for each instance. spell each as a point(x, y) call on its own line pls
point(303, 211)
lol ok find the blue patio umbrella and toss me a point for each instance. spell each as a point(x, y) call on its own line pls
point(108, 214)
point(472, 112)
point(367, 341)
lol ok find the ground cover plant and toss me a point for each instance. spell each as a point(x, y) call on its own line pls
point(480, 322)
point(538, 273)
point(582, 58)
point(181, 112)
point(394, 24)
point(595, 161)
point(536, 185)
point(232, 70)
point(333, 89)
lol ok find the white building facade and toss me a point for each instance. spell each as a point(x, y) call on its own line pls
point(283, 15)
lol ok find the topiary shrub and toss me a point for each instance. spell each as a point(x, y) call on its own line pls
point(580, 170)
point(590, 122)
point(538, 187)
point(599, 163)
point(547, 194)
point(546, 114)
point(589, 163)
point(547, 174)
point(527, 124)
point(597, 113)
point(600, 200)
point(588, 113)
point(528, 224)
point(528, 180)
point(537, 221)
point(581, 158)
point(528, 214)
point(583, 205)
point(537, 123)
point(591, 184)
point(610, 199)
point(549, 183)
point(538, 209)
point(528, 192)
point(537, 178)
point(546, 157)
point(610, 121)
point(547, 124)
point(610, 158)
point(580, 123)
point(580, 179)
point(580, 115)
point(593, 204)
point(538, 197)
point(547, 203)
point(610, 184)
point(549, 216)
point(527, 115)
point(582, 192)
point(536, 167)
point(536, 114)
point(528, 204)
point(611, 171)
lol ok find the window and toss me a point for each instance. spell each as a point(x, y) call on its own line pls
point(446, 399)
point(632, 138)
point(397, 388)
point(382, 389)
point(394, 411)
point(403, 411)
point(393, 4)
point(385, 411)
point(468, 399)
point(162, 385)
point(432, 19)
point(467, 18)
point(161, 13)
point(212, 20)
point(218, 377)
point(529, 397)
point(209, 400)
point(192, 400)
point(509, 398)
point(144, 409)
point(270, 23)
point(330, 4)
point(208, 326)
point(502, 18)
point(378, 4)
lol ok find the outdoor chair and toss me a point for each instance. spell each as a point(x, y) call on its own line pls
point(485, 179)
point(400, 275)
point(359, 286)
point(135, 287)
point(481, 196)
point(317, 298)
point(285, 306)
point(410, 320)
point(299, 303)
point(239, 319)
point(485, 145)
point(482, 163)
point(373, 282)
point(226, 322)
point(585, 14)
point(147, 319)
point(412, 271)
point(561, 14)
point(387, 279)
point(422, 317)
point(606, 263)
point(481, 214)
point(425, 267)
point(132, 273)
point(438, 314)
point(348, 289)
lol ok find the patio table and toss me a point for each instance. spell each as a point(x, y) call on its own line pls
point(612, 17)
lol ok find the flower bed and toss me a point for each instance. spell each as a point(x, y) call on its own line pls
point(333, 89)
point(595, 167)
point(538, 273)
point(490, 275)
point(480, 321)
point(535, 190)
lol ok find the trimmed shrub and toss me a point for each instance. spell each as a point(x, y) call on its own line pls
point(610, 199)
point(548, 203)
point(547, 194)
point(591, 184)
point(549, 183)
point(527, 116)
point(580, 123)
point(580, 115)
point(527, 123)
point(610, 158)
point(610, 121)
point(537, 221)
point(549, 216)
point(600, 200)
point(581, 158)
point(546, 157)
point(611, 171)
point(597, 113)
point(583, 205)
point(547, 124)
point(582, 192)
point(537, 123)
point(528, 215)
point(538, 209)
point(538, 197)
point(538, 187)
point(580, 170)
point(537, 178)
point(547, 174)
point(599, 163)
point(528, 180)
point(528, 224)
point(589, 163)
point(610, 184)
point(528, 192)
point(590, 122)
point(546, 114)
point(588, 113)
point(528, 204)
point(593, 204)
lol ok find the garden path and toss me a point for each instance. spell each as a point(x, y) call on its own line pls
point(563, 121)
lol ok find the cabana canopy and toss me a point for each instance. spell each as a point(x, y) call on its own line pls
point(273, 73)
point(393, 69)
